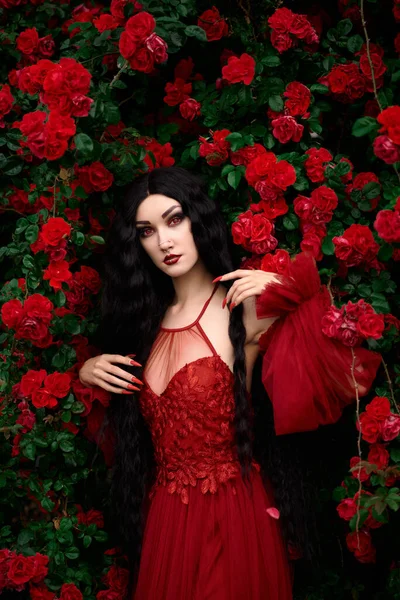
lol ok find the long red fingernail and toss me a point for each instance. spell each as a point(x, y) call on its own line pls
point(232, 306)
point(136, 380)
point(135, 364)
point(217, 279)
point(224, 303)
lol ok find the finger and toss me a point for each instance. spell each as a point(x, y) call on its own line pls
point(126, 360)
point(233, 289)
point(104, 376)
point(123, 374)
point(232, 275)
point(241, 295)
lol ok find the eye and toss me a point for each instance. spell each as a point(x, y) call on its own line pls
point(144, 232)
point(176, 219)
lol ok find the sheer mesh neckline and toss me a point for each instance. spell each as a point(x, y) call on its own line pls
point(197, 318)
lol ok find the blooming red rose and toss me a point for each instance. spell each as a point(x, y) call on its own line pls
point(387, 225)
point(89, 278)
point(286, 129)
point(347, 509)
point(379, 456)
point(386, 149)
point(6, 101)
point(298, 98)
point(217, 151)
point(359, 542)
point(28, 41)
point(42, 398)
point(32, 381)
point(177, 92)
point(371, 326)
point(12, 313)
point(140, 26)
point(127, 46)
point(158, 47)
point(69, 591)
point(142, 60)
point(316, 163)
point(245, 155)
point(47, 46)
point(356, 246)
point(58, 384)
point(55, 230)
point(160, 153)
point(254, 233)
point(213, 24)
point(239, 70)
point(346, 83)
point(21, 569)
point(370, 428)
point(389, 118)
point(40, 592)
point(105, 22)
point(190, 109)
point(357, 473)
point(390, 428)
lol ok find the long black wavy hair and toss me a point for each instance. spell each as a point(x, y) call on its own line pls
point(135, 297)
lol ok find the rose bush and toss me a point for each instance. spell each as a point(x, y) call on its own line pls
point(293, 119)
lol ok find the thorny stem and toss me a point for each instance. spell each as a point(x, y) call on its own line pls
point(118, 75)
point(371, 66)
point(390, 384)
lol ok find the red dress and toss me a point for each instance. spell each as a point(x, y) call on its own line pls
point(207, 535)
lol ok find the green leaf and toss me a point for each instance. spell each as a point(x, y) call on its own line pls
point(29, 450)
point(97, 238)
point(327, 246)
point(84, 144)
point(363, 126)
point(354, 43)
point(344, 27)
point(395, 454)
point(66, 445)
point(275, 103)
point(47, 504)
point(318, 87)
point(25, 537)
point(385, 252)
point(271, 61)
point(197, 32)
point(31, 233)
point(371, 190)
point(72, 553)
point(234, 178)
point(290, 222)
point(87, 540)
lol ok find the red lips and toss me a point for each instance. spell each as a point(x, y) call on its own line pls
point(171, 258)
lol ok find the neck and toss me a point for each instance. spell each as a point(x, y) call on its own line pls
point(193, 286)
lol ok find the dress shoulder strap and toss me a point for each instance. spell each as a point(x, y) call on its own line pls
point(196, 322)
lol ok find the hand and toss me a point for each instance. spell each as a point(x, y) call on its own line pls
point(100, 370)
point(249, 283)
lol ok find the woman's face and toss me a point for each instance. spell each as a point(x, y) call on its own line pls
point(165, 234)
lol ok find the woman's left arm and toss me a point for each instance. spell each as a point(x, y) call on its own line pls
point(308, 376)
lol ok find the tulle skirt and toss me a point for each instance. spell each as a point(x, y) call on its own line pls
point(222, 546)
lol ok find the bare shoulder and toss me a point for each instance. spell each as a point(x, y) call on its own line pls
point(254, 327)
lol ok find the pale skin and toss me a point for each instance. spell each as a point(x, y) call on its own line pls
point(164, 231)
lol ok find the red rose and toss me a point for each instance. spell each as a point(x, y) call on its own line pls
point(40, 592)
point(298, 98)
point(140, 26)
point(286, 129)
point(142, 60)
point(6, 100)
point(217, 151)
point(379, 408)
point(89, 278)
point(158, 47)
point(239, 70)
point(32, 381)
point(105, 22)
point(371, 326)
point(347, 509)
point(379, 456)
point(177, 92)
point(245, 155)
point(127, 46)
point(213, 24)
point(386, 150)
point(390, 428)
point(370, 428)
point(190, 109)
point(21, 569)
point(356, 246)
point(55, 230)
point(390, 120)
point(357, 473)
point(377, 63)
point(28, 41)
point(42, 398)
point(387, 225)
point(46, 46)
point(346, 82)
point(100, 177)
point(359, 542)
point(69, 591)
point(312, 243)
point(80, 105)
point(315, 163)
point(161, 153)
point(12, 313)
point(58, 384)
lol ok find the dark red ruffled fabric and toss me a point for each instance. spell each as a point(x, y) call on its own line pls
point(306, 374)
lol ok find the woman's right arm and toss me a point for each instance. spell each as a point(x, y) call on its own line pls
point(102, 371)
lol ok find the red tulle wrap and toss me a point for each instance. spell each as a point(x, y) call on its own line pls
point(306, 374)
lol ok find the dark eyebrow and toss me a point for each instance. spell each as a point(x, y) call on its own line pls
point(165, 214)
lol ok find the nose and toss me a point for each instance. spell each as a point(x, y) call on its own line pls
point(165, 244)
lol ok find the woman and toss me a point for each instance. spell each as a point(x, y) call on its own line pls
point(184, 467)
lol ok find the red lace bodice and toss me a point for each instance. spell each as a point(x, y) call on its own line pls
point(191, 419)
